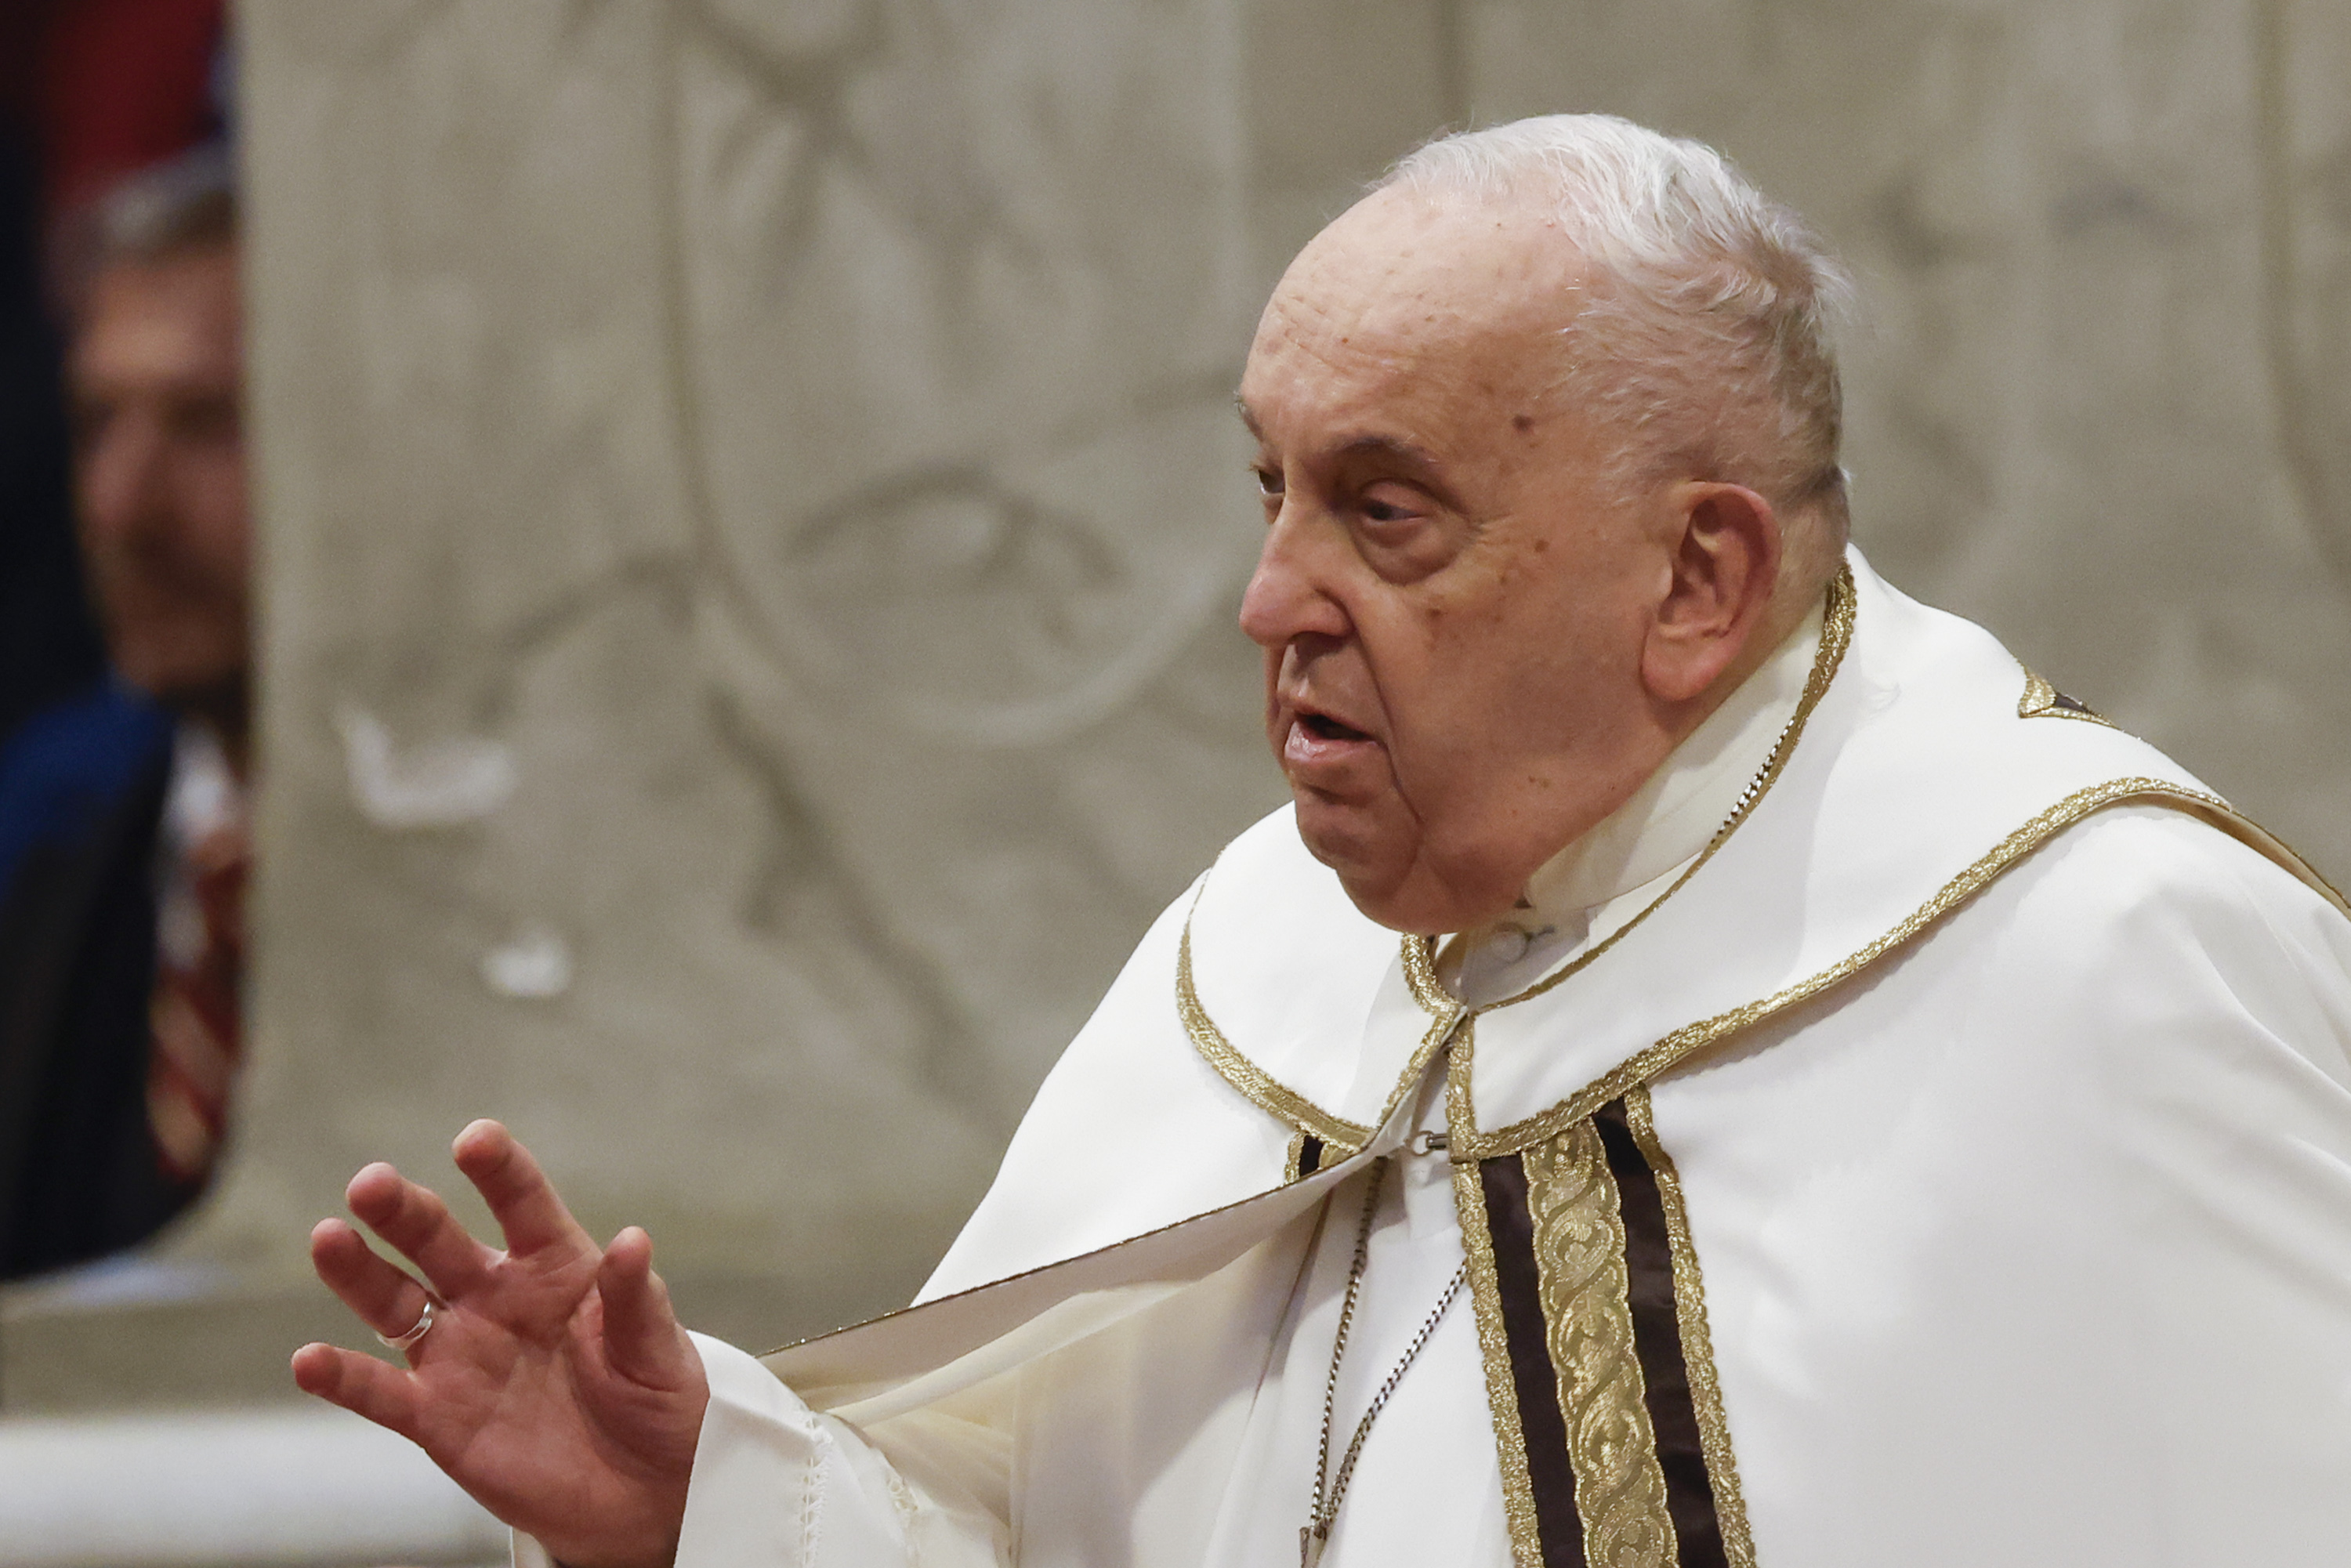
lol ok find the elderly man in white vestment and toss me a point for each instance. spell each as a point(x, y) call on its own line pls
point(1720, 1064)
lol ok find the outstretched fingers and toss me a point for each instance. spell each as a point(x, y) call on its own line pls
point(361, 1385)
point(416, 1222)
point(523, 1202)
point(641, 1342)
point(384, 1298)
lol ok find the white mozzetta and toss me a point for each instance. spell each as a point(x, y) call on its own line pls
point(2021, 1236)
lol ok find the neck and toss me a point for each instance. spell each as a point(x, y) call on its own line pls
point(1664, 825)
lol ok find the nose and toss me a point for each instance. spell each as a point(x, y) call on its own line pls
point(1290, 594)
point(122, 477)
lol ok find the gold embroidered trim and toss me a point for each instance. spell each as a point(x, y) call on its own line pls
point(1647, 1065)
point(2254, 836)
point(1253, 1082)
point(1698, 1341)
point(1494, 1349)
point(1420, 974)
point(1439, 1033)
point(1294, 1159)
point(1340, 1136)
point(1836, 636)
point(1493, 1343)
point(1579, 1246)
point(2042, 700)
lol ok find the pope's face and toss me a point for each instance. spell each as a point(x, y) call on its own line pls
point(1451, 602)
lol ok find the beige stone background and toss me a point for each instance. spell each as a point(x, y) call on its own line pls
point(752, 519)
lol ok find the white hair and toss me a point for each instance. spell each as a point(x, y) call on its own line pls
point(1705, 336)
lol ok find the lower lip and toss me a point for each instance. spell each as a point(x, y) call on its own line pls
point(1302, 747)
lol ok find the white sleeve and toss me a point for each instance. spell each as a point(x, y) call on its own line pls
point(777, 1485)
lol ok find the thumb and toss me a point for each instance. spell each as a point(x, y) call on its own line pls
point(642, 1339)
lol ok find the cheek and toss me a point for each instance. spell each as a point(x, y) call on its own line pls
point(212, 481)
point(1504, 682)
point(212, 502)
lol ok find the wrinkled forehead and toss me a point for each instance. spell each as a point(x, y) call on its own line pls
point(1405, 285)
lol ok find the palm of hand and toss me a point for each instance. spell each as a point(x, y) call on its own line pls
point(554, 1384)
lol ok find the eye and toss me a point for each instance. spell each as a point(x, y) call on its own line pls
point(1269, 479)
point(1389, 502)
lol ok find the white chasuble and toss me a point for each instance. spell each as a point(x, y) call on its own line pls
point(1942, 1157)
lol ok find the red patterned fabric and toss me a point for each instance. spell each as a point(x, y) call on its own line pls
point(196, 1013)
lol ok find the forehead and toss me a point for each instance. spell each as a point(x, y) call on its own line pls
point(176, 315)
point(1416, 303)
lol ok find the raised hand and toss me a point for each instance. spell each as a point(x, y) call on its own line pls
point(554, 1383)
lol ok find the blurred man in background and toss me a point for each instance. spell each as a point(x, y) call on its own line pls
point(123, 843)
point(91, 92)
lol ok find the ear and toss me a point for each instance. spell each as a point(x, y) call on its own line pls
point(1726, 563)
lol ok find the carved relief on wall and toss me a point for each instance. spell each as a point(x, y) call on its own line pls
point(959, 324)
point(2305, 121)
point(756, 514)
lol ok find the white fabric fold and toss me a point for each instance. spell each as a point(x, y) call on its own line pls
point(777, 1483)
point(2026, 1248)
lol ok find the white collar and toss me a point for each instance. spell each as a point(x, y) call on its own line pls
point(203, 792)
point(1590, 887)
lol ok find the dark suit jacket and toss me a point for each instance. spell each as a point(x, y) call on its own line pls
point(81, 800)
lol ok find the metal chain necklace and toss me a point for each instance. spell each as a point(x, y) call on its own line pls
point(1315, 1534)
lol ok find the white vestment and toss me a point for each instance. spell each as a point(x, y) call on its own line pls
point(1954, 1167)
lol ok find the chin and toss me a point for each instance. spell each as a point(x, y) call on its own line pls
point(1388, 874)
point(1371, 865)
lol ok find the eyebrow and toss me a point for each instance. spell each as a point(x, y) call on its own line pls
point(1410, 454)
point(1404, 454)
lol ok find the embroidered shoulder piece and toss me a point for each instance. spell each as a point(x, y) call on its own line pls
point(1309, 1154)
point(2042, 700)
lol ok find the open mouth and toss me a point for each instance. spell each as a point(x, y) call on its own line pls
point(1322, 727)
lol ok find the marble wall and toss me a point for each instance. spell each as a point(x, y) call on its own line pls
point(750, 643)
point(752, 521)
point(2101, 400)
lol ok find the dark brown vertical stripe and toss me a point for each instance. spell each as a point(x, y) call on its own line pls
point(1310, 1155)
point(1657, 1340)
point(1519, 1287)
